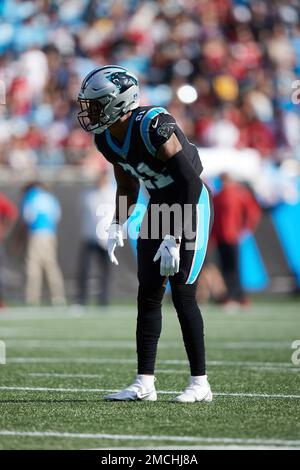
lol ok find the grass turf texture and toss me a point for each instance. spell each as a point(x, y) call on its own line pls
point(248, 352)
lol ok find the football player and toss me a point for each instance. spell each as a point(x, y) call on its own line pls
point(145, 143)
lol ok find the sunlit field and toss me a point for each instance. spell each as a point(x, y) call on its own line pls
point(61, 363)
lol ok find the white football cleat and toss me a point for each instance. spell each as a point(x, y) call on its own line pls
point(136, 391)
point(194, 393)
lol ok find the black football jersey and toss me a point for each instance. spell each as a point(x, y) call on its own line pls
point(149, 127)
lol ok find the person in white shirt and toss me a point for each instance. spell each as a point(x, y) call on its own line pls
point(97, 210)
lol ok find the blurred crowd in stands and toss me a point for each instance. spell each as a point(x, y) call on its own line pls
point(241, 58)
point(226, 69)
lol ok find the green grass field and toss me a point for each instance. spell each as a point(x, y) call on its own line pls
point(60, 364)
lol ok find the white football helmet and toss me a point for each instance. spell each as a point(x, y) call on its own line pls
point(106, 94)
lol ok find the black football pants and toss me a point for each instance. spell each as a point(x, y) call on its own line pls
point(183, 286)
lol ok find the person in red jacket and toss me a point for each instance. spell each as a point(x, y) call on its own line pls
point(236, 211)
point(8, 215)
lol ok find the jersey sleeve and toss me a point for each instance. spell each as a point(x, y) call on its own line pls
point(157, 126)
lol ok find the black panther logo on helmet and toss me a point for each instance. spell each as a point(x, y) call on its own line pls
point(122, 80)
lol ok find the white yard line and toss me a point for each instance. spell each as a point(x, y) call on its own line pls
point(157, 371)
point(56, 389)
point(92, 376)
point(257, 395)
point(80, 376)
point(75, 360)
point(80, 344)
point(132, 437)
point(162, 392)
point(14, 341)
point(255, 345)
point(13, 332)
point(55, 314)
point(101, 360)
point(58, 344)
point(250, 364)
point(262, 368)
point(276, 369)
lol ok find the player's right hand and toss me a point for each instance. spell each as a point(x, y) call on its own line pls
point(169, 254)
point(115, 239)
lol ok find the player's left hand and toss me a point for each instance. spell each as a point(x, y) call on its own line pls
point(168, 252)
point(115, 239)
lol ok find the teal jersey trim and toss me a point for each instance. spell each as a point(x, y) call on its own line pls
point(122, 151)
point(202, 235)
point(145, 124)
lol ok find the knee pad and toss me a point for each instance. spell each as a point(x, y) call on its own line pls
point(184, 296)
point(150, 296)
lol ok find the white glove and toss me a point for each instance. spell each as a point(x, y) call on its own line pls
point(169, 254)
point(115, 238)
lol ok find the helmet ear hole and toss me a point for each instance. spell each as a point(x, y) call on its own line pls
point(119, 105)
